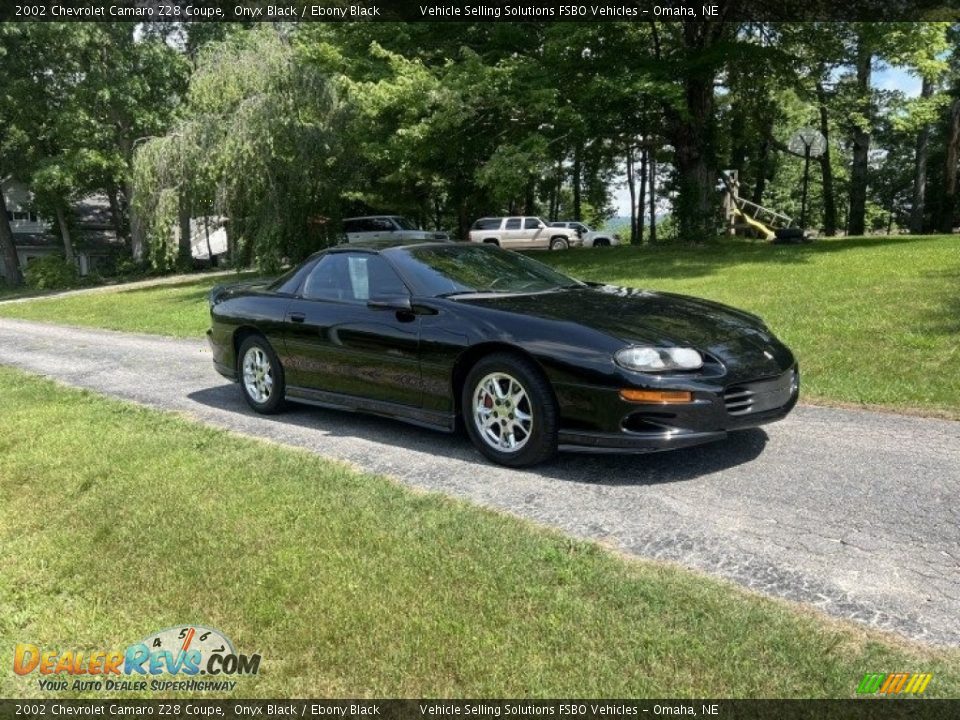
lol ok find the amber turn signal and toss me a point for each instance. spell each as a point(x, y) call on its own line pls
point(662, 397)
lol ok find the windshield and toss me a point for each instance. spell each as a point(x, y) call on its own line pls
point(404, 223)
point(454, 269)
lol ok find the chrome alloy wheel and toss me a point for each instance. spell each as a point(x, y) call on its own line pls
point(257, 375)
point(502, 412)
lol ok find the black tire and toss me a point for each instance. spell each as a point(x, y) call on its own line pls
point(540, 443)
point(274, 400)
point(601, 242)
point(559, 243)
point(491, 241)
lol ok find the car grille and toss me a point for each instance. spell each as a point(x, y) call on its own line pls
point(760, 396)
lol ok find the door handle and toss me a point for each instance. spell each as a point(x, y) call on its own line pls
point(297, 317)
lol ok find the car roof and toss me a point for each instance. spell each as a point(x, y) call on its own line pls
point(370, 217)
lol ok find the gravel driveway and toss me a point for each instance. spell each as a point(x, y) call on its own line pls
point(853, 512)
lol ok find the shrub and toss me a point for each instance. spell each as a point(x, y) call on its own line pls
point(51, 272)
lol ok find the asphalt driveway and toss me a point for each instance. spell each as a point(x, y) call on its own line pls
point(853, 512)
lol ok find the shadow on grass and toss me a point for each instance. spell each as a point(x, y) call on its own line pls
point(203, 283)
point(944, 319)
point(684, 261)
point(650, 469)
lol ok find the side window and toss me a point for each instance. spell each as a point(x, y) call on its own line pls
point(512, 224)
point(487, 224)
point(380, 280)
point(352, 226)
point(531, 223)
point(352, 277)
point(558, 224)
point(329, 280)
point(381, 224)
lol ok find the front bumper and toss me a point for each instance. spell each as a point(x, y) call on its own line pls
point(619, 426)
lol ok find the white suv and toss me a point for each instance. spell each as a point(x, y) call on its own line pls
point(590, 237)
point(387, 227)
point(523, 233)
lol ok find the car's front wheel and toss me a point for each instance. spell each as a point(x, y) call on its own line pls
point(261, 375)
point(509, 411)
point(559, 243)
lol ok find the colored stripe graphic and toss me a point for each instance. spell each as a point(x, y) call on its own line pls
point(894, 683)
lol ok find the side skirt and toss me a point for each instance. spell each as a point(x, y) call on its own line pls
point(444, 422)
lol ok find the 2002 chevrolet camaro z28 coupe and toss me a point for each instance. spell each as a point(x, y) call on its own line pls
point(530, 360)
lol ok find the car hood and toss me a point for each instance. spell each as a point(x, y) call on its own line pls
point(736, 338)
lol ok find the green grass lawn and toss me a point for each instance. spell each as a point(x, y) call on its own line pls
point(873, 321)
point(178, 309)
point(117, 521)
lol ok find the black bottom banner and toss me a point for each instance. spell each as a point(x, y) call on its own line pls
point(866, 709)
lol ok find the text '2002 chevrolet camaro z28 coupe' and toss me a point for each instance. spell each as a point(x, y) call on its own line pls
point(530, 361)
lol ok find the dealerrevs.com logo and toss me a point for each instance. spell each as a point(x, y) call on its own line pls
point(184, 652)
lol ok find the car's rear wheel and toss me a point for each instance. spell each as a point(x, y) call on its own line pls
point(559, 243)
point(491, 241)
point(601, 242)
point(509, 411)
point(261, 375)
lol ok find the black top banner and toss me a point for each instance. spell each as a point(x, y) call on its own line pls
point(477, 11)
point(873, 709)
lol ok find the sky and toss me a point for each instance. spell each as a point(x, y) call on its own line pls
point(888, 78)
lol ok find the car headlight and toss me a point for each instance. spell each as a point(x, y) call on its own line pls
point(653, 359)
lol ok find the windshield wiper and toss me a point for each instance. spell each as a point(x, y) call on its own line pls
point(455, 293)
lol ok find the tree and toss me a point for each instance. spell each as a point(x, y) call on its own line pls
point(261, 140)
point(694, 52)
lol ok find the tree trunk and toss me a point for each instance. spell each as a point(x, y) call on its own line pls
point(184, 252)
point(653, 196)
point(632, 187)
point(137, 245)
point(577, 169)
point(463, 221)
point(530, 198)
point(65, 236)
point(861, 144)
point(206, 230)
point(920, 169)
point(763, 158)
point(948, 210)
point(695, 162)
point(826, 165)
point(116, 214)
point(641, 200)
point(555, 192)
point(11, 262)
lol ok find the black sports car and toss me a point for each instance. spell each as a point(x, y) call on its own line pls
point(530, 361)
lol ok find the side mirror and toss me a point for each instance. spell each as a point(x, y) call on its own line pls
point(542, 226)
point(390, 302)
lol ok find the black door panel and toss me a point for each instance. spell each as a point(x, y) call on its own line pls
point(336, 343)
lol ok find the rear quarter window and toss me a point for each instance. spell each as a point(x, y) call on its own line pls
point(487, 224)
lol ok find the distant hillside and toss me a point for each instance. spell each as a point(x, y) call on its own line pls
point(621, 223)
